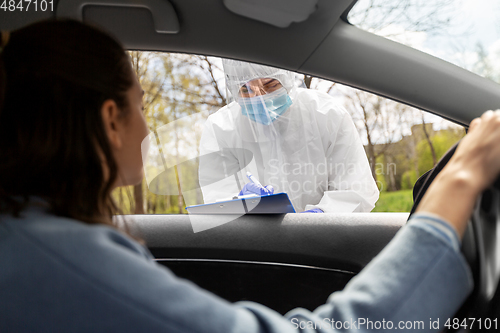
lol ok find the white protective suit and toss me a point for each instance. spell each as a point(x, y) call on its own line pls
point(312, 151)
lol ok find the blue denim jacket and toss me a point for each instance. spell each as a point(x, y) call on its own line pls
point(61, 275)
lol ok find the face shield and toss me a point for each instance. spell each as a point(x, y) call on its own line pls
point(263, 100)
point(239, 74)
point(262, 94)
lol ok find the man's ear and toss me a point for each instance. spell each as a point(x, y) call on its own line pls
point(110, 118)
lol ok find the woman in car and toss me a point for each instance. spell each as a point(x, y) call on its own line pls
point(71, 128)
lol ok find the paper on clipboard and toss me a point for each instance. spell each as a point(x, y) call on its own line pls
point(278, 203)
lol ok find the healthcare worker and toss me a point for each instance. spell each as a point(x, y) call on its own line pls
point(293, 140)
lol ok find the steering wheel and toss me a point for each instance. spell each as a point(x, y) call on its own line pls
point(480, 247)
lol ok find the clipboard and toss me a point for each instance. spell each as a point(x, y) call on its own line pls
point(278, 203)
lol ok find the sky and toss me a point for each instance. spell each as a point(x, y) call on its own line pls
point(471, 22)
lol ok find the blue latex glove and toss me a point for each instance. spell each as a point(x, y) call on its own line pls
point(314, 210)
point(251, 188)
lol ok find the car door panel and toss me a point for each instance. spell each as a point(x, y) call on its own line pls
point(282, 261)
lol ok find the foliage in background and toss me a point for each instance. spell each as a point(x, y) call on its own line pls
point(176, 87)
point(399, 201)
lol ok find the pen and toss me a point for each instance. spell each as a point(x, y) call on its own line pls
point(254, 180)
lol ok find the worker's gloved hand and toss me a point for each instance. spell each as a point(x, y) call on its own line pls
point(251, 188)
point(314, 210)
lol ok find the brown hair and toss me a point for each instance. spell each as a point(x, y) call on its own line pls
point(54, 79)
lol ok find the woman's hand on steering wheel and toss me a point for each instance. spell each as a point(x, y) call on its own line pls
point(473, 167)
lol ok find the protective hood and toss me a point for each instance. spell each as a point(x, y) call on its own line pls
point(238, 73)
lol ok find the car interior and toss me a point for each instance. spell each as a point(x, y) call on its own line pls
point(295, 260)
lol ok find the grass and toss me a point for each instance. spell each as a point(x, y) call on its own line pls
point(399, 201)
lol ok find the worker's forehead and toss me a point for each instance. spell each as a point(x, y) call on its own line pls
point(261, 81)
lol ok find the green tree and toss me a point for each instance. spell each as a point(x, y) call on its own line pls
point(443, 141)
point(180, 91)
